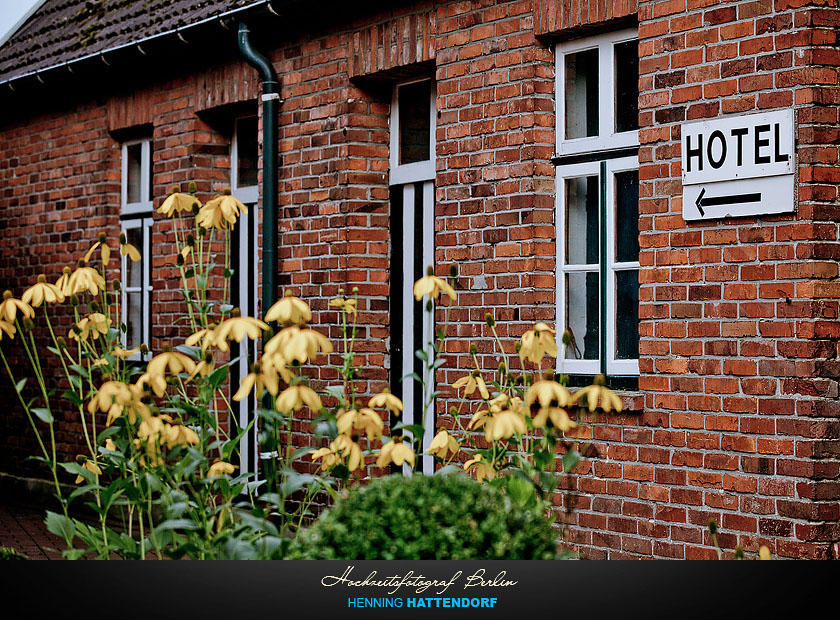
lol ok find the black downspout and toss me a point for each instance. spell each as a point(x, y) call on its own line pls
point(270, 103)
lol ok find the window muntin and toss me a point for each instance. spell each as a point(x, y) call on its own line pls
point(136, 223)
point(597, 203)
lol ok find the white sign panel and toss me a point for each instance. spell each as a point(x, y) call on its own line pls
point(741, 166)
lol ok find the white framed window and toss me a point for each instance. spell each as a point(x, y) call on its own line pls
point(244, 170)
point(597, 208)
point(136, 223)
point(412, 181)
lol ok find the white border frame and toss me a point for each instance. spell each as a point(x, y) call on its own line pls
point(145, 204)
point(607, 137)
point(249, 195)
point(400, 174)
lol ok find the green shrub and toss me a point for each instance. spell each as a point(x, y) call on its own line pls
point(7, 553)
point(427, 518)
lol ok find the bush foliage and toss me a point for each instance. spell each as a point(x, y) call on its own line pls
point(427, 518)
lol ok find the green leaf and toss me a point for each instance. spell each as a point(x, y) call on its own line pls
point(421, 355)
point(521, 491)
point(415, 429)
point(294, 481)
point(176, 524)
point(217, 377)
point(73, 398)
point(19, 385)
point(80, 370)
point(43, 415)
point(60, 526)
point(570, 460)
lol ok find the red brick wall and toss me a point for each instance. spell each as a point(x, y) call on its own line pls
point(736, 415)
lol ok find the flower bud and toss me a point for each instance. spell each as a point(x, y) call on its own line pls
point(103, 238)
point(82, 262)
point(94, 306)
point(116, 284)
point(74, 300)
point(599, 380)
point(166, 347)
point(123, 240)
point(201, 231)
point(7, 294)
point(173, 189)
point(81, 459)
point(208, 358)
point(195, 208)
point(429, 306)
point(61, 342)
point(354, 290)
point(226, 191)
point(566, 338)
point(191, 240)
point(488, 318)
point(453, 411)
point(430, 271)
point(144, 350)
point(42, 278)
point(28, 325)
point(502, 368)
point(712, 526)
point(739, 552)
point(179, 259)
point(67, 271)
point(192, 188)
point(236, 312)
point(473, 349)
point(453, 270)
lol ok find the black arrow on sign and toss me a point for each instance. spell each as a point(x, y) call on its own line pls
point(724, 200)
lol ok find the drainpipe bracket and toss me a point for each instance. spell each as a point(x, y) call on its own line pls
point(270, 97)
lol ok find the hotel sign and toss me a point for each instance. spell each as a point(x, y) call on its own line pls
point(739, 166)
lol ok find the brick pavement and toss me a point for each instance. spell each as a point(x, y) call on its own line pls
point(22, 528)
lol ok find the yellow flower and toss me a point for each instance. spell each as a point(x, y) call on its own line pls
point(349, 450)
point(205, 336)
point(169, 360)
point(547, 393)
point(347, 305)
point(42, 291)
point(559, 418)
point(329, 457)
point(504, 425)
point(63, 282)
point(122, 353)
point(113, 397)
point(362, 420)
point(538, 342)
point(237, 328)
point(507, 422)
point(263, 381)
point(290, 309)
point(296, 344)
point(470, 383)
point(442, 444)
point(178, 434)
point(480, 467)
point(91, 467)
point(89, 253)
point(105, 254)
point(432, 286)
point(295, 397)
point(220, 212)
point(220, 468)
point(395, 451)
point(91, 326)
point(7, 328)
point(763, 553)
point(177, 202)
point(85, 279)
point(274, 364)
point(129, 250)
point(10, 306)
point(388, 400)
point(596, 393)
point(110, 445)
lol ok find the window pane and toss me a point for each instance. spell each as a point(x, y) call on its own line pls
point(415, 126)
point(581, 94)
point(247, 151)
point(627, 86)
point(627, 216)
point(582, 315)
point(627, 315)
point(134, 320)
point(134, 271)
point(582, 221)
point(134, 156)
